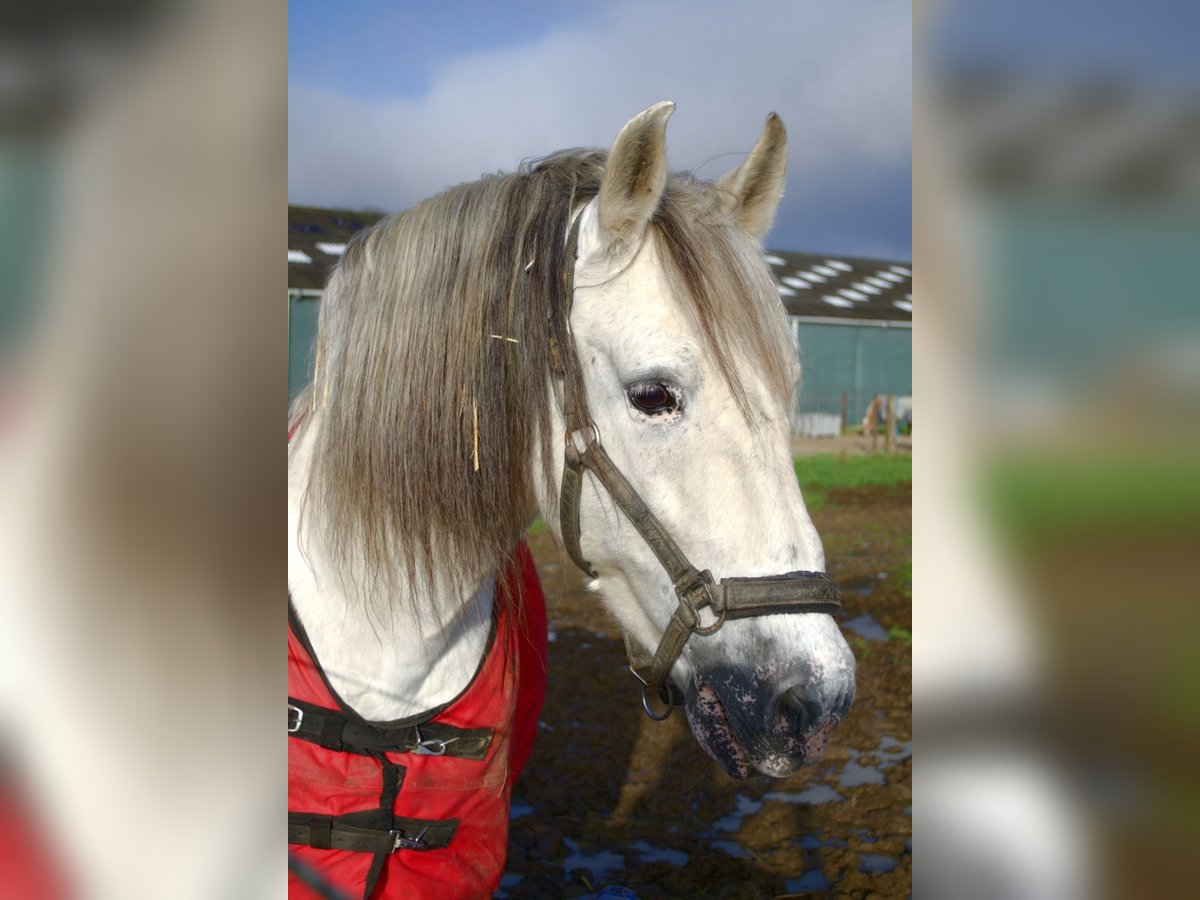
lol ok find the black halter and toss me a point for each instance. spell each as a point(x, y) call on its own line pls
point(730, 598)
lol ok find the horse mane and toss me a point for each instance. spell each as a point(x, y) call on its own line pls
point(433, 360)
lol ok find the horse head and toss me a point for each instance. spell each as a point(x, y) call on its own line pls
point(684, 357)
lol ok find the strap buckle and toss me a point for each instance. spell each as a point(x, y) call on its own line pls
point(401, 842)
point(430, 746)
point(687, 589)
point(295, 718)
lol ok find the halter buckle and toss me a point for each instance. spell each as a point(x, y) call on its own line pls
point(702, 584)
point(295, 718)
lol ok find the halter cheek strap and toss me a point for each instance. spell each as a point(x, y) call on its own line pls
point(731, 598)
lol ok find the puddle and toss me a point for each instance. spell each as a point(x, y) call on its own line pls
point(648, 853)
point(866, 626)
point(518, 809)
point(889, 752)
point(893, 750)
point(876, 863)
point(863, 587)
point(854, 775)
point(808, 882)
point(596, 863)
point(818, 793)
point(733, 822)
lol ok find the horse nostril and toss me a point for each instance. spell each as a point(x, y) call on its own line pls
point(797, 711)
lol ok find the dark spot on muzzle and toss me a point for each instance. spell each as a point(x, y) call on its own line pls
point(744, 717)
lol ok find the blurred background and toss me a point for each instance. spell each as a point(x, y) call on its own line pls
point(143, 171)
point(1057, 351)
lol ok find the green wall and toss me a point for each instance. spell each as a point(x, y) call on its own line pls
point(302, 339)
point(863, 360)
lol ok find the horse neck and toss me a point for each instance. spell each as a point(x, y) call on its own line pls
point(389, 663)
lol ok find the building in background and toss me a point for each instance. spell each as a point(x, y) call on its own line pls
point(851, 321)
point(851, 317)
point(316, 240)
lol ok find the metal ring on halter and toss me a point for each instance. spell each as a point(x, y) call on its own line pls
point(665, 699)
point(595, 435)
point(709, 629)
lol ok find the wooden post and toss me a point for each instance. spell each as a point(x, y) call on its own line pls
point(844, 402)
point(889, 435)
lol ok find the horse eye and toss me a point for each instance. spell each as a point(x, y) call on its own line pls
point(653, 398)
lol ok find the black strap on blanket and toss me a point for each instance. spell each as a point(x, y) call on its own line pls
point(358, 832)
point(333, 731)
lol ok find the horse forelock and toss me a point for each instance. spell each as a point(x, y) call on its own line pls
point(433, 359)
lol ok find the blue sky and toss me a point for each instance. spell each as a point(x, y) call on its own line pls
point(390, 102)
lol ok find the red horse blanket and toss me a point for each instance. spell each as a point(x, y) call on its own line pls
point(416, 808)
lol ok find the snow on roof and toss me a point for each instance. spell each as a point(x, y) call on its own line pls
point(837, 301)
point(844, 287)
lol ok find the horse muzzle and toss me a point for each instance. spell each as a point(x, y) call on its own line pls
point(748, 720)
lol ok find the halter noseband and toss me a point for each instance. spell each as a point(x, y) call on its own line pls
point(730, 598)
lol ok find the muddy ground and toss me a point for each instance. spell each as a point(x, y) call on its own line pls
point(611, 798)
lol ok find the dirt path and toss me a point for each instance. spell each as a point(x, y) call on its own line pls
point(611, 798)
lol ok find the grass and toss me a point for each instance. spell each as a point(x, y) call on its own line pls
point(1035, 499)
point(819, 474)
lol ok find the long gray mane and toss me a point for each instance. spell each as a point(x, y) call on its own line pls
point(432, 372)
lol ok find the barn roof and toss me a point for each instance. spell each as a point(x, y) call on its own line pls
point(316, 238)
point(810, 285)
point(817, 285)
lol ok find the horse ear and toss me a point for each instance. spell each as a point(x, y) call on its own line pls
point(757, 184)
point(635, 175)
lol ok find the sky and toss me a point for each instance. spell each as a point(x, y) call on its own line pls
point(391, 102)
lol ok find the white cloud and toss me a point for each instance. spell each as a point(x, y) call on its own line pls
point(838, 73)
